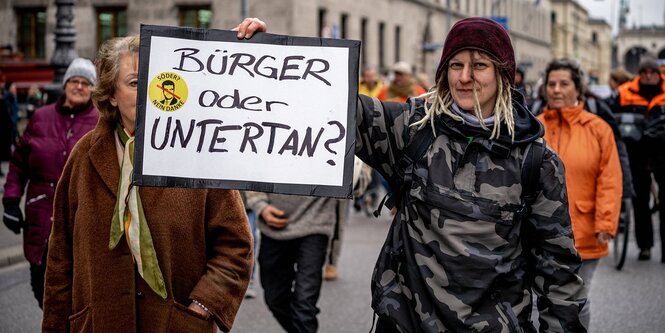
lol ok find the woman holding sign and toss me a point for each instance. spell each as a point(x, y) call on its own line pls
point(482, 220)
point(127, 259)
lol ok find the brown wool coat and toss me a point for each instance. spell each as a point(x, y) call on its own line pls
point(202, 239)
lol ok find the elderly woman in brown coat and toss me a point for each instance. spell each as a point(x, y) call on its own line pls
point(123, 259)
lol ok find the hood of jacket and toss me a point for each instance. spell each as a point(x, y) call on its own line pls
point(527, 127)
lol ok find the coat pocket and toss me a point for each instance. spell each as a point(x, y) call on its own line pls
point(463, 207)
point(583, 224)
point(184, 320)
point(81, 321)
point(585, 206)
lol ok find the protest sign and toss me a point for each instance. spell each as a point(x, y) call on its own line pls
point(273, 113)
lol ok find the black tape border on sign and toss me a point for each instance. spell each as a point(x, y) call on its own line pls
point(147, 31)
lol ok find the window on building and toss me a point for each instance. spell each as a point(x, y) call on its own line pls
point(363, 39)
point(382, 43)
point(31, 29)
point(344, 31)
point(594, 38)
point(111, 22)
point(553, 18)
point(398, 40)
point(324, 29)
point(195, 17)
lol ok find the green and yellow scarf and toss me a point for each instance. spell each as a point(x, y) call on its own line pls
point(133, 223)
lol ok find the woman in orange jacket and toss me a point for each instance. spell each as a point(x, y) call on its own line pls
point(585, 143)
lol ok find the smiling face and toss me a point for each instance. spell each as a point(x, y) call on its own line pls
point(77, 92)
point(561, 89)
point(469, 73)
point(124, 95)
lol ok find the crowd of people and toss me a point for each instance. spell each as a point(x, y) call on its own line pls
point(503, 206)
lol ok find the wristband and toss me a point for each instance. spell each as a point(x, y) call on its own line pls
point(202, 307)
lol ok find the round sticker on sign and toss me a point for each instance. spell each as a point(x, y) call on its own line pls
point(168, 91)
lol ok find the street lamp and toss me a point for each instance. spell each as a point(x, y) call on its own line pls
point(65, 38)
point(244, 9)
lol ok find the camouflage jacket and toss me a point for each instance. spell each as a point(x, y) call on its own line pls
point(458, 258)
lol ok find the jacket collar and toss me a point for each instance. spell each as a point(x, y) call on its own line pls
point(634, 85)
point(472, 135)
point(65, 110)
point(103, 154)
point(570, 115)
point(527, 127)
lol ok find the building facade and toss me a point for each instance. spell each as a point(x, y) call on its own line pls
point(391, 30)
point(576, 36)
point(633, 43)
point(599, 58)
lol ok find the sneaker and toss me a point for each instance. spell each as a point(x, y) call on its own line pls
point(250, 292)
point(330, 273)
point(645, 254)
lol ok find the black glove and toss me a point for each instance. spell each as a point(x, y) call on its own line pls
point(13, 217)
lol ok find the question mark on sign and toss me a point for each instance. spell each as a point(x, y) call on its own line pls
point(339, 138)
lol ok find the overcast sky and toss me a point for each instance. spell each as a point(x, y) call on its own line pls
point(642, 12)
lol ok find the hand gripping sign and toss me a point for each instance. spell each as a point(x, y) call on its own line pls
point(273, 113)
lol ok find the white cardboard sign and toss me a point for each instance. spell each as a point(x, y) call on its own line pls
point(272, 113)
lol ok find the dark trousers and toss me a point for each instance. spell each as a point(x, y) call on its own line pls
point(37, 273)
point(659, 175)
point(291, 276)
point(638, 154)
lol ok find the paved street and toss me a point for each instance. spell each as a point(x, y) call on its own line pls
point(631, 300)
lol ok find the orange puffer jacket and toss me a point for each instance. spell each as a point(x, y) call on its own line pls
point(586, 145)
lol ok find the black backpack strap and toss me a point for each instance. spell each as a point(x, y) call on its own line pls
point(530, 191)
point(415, 149)
point(531, 174)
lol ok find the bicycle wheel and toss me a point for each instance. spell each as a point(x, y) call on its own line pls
point(620, 241)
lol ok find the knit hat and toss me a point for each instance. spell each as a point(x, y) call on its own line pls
point(402, 67)
point(81, 67)
point(481, 34)
point(648, 62)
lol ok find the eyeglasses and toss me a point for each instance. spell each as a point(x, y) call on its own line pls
point(76, 83)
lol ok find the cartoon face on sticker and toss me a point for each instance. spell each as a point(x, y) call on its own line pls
point(168, 91)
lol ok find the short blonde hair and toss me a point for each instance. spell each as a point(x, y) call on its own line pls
point(108, 68)
point(441, 101)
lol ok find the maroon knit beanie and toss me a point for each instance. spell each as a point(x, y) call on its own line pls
point(478, 33)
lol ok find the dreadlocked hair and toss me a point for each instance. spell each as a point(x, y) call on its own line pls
point(441, 101)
